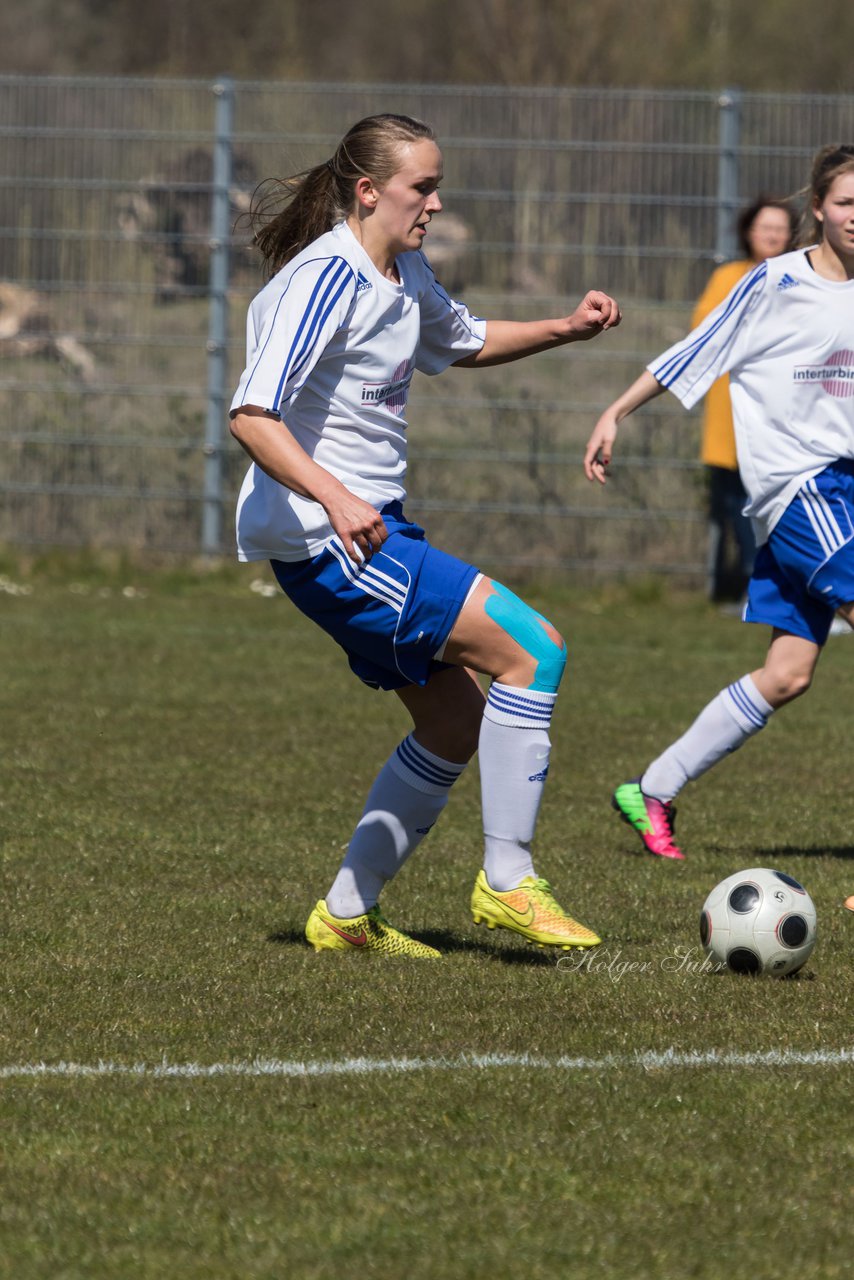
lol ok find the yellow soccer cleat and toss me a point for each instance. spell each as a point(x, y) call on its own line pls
point(369, 932)
point(529, 909)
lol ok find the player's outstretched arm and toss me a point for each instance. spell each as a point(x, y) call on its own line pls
point(508, 340)
point(600, 446)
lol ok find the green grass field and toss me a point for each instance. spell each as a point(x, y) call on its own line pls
point(183, 759)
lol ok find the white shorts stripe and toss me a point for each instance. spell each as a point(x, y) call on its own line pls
point(367, 581)
point(820, 515)
point(372, 571)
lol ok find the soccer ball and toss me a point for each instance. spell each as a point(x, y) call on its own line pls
point(759, 921)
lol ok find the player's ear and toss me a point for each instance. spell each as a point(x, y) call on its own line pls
point(366, 193)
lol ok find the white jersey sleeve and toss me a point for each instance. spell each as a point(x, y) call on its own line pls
point(448, 329)
point(290, 327)
point(721, 341)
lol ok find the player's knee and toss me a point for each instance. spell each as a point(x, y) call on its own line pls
point(790, 684)
point(542, 643)
point(552, 662)
point(799, 683)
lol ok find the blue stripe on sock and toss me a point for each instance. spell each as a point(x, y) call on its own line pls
point(746, 706)
point(497, 692)
point(517, 704)
point(410, 755)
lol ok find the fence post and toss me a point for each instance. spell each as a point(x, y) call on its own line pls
point(729, 141)
point(217, 345)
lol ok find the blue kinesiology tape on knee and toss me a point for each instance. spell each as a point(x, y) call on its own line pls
point(528, 629)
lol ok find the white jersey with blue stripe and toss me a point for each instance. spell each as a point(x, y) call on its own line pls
point(331, 349)
point(785, 335)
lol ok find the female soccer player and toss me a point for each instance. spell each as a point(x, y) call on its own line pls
point(785, 335)
point(352, 310)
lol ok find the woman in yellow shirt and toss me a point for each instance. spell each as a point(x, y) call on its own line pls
point(765, 229)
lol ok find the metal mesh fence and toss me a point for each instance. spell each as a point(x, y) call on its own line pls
point(124, 277)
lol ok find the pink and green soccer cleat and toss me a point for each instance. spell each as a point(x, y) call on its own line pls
point(653, 820)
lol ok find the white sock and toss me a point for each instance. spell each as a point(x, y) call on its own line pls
point(728, 721)
point(514, 759)
point(409, 793)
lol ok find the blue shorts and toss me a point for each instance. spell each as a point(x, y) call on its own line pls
point(805, 570)
point(391, 615)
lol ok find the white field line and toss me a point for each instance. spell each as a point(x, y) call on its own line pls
point(668, 1060)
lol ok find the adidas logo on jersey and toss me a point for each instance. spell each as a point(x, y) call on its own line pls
point(362, 283)
point(787, 282)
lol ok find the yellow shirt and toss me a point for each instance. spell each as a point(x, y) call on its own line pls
point(718, 447)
